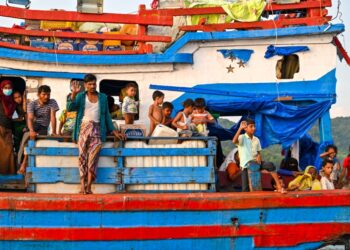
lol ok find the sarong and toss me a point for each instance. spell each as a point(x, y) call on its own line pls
point(89, 144)
point(7, 160)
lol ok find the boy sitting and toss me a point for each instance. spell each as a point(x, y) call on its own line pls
point(167, 109)
point(200, 117)
point(249, 152)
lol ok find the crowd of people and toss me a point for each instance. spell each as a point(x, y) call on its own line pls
point(87, 119)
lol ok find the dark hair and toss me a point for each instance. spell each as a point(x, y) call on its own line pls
point(199, 103)
point(44, 88)
point(332, 146)
point(327, 160)
point(188, 103)
point(110, 101)
point(167, 105)
point(18, 91)
point(157, 94)
point(250, 121)
point(131, 85)
point(89, 78)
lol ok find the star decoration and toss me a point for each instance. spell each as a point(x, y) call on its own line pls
point(241, 64)
point(230, 69)
point(232, 57)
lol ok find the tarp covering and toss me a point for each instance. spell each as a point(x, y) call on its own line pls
point(284, 51)
point(241, 54)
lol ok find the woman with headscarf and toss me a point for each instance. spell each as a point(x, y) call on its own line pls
point(307, 181)
point(7, 108)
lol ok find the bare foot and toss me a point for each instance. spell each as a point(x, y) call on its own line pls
point(281, 190)
point(82, 192)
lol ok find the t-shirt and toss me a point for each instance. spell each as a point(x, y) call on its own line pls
point(129, 106)
point(346, 165)
point(248, 149)
point(326, 184)
point(42, 113)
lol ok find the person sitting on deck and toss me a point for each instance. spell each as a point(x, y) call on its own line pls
point(346, 171)
point(7, 108)
point(41, 113)
point(167, 109)
point(289, 166)
point(331, 153)
point(182, 120)
point(90, 130)
point(249, 149)
point(155, 114)
point(129, 107)
point(307, 181)
point(201, 117)
point(231, 165)
point(326, 181)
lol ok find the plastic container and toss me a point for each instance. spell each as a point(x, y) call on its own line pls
point(55, 25)
point(66, 44)
point(163, 131)
point(41, 44)
point(90, 45)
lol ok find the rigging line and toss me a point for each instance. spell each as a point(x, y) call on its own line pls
point(55, 49)
point(273, 20)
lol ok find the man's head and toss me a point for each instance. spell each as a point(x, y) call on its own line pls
point(199, 104)
point(44, 93)
point(90, 83)
point(131, 89)
point(17, 97)
point(158, 96)
point(250, 129)
point(327, 166)
point(167, 109)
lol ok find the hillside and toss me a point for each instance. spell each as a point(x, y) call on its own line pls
point(341, 136)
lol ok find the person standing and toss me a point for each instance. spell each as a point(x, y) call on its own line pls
point(7, 108)
point(92, 124)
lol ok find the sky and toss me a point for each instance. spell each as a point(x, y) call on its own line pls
point(341, 108)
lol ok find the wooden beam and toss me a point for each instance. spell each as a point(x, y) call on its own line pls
point(72, 16)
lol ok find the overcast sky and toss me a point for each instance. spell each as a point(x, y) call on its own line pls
point(342, 108)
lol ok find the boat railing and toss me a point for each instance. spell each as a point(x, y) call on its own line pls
point(124, 175)
point(304, 13)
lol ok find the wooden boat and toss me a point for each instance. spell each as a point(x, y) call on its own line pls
point(163, 196)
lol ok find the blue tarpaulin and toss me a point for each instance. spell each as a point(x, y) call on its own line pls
point(241, 54)
point(284, 51)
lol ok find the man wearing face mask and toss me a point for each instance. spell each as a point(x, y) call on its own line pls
point(7, 108)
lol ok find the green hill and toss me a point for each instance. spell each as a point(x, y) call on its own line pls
point(341, 137)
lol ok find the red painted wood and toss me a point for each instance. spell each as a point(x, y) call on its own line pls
point(264, 235)
point(153, 202)
point(342, 50)
point(309, 4)
point(281, 23)
point(88, 36)
point(29, 48)
point(72, 16)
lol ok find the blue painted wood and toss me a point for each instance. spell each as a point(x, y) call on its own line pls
point(11, 178)
point(31, 164)
point(116, 219)
point(325, 128)
point(183, 244)
point(112, 175)
point(23, 55)
point(212, 147)
point(168, 175)
point(254, 176)
point(48, 74)
point(54, 151)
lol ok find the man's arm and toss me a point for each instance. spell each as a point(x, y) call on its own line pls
point(72, 102)
point(30, 123)
point(53, 121)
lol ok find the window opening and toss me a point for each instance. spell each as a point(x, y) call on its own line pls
point(287, 67)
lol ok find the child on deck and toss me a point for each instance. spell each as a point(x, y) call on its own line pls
point(249, 152)
point(155, 114)
point(326, 181)
point(346, 171)
point(167, 109)
point(182, 120)
point(200, 117)
point(331, 154)
point(129, 107)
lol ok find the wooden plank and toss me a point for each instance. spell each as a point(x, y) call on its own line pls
point(83, 35)
point(219, 10)
point(72, 16)
point(11, 178)
point(132, 152)
point(168, 175)
point(70, 175)
point(314, 21)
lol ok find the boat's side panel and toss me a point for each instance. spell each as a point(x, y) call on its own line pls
point(193, 221)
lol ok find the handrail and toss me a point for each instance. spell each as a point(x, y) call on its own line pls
point(72, 16)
